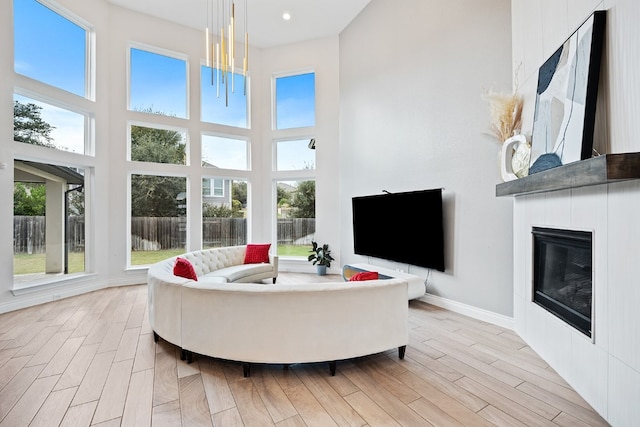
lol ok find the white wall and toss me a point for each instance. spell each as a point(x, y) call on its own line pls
point(411, 117)
point(605, 372)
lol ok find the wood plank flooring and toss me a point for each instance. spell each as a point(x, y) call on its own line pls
point(91, 360)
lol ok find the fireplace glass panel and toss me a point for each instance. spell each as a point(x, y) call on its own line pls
point(563, 275)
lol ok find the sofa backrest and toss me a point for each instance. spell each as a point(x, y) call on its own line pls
point(208, 260)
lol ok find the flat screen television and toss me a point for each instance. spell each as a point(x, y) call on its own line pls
point(404, 227)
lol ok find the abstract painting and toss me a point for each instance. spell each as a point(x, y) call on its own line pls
point(566, 98)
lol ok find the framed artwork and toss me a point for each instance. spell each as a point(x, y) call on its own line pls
point(566, 98)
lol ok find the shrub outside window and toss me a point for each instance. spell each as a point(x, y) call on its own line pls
point(156, 145)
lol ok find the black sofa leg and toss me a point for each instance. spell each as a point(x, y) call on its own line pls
point(274, 280)
point(189, 357)
point(246, 369)
point(401, 351)
point(156, 337)
point(183, 354)
point(332, 368)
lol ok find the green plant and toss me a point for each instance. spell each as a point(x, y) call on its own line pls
point(320, 255)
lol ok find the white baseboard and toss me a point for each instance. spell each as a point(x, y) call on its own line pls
point(36, 297)
point(468, 310)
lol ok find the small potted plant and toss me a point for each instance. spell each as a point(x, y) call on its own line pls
point(321, 257)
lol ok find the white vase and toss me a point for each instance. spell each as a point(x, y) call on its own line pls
point(514, 160)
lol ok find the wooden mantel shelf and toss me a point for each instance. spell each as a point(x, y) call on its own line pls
point(603, 169)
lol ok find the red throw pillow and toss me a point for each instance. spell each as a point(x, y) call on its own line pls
point(257, 253)
point(365, 275)
point(184, 268)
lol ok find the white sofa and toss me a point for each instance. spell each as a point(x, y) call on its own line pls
point(275, 323)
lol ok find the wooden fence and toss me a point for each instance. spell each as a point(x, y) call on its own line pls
point(155, 233)
point(29, 234)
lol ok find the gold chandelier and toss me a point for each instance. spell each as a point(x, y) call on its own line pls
point(221, 55)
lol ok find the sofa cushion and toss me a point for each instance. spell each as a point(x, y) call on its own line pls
point(184, 268)
point(237, 272)
point(209, 282)
point(257, 253)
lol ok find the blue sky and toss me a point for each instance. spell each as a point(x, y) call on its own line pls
point(158, 82)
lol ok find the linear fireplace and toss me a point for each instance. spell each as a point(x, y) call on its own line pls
point(563, 275)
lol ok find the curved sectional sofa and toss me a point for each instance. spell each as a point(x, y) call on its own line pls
point(276, 323)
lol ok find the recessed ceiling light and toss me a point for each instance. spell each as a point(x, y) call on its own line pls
point(286, 16)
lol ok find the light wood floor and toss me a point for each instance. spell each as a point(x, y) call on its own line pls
point(91, 360)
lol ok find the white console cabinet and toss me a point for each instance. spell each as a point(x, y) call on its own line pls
point(416, 287)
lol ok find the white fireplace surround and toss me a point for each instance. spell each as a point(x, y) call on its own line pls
point(605, 370)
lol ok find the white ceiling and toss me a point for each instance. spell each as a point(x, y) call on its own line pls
point(310, 19)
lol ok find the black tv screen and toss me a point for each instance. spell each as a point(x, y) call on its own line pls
point(404, 227)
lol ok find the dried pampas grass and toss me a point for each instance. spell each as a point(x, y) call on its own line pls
point(506, 113)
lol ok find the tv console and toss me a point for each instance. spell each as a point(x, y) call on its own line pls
point(416, 284)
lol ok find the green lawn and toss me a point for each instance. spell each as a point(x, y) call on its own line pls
point(151, 257)
point(35, 263)
point(30, 264)
point(294, 250)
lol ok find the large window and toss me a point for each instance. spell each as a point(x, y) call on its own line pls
point(151, 144)
point(49, 47)
point(224, 152)
point(295, 101)
point(158, 217)
point(224, 204)
point(224, 103)
point(48, 221)
point(158, 83)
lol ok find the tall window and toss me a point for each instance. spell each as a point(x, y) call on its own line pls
point(224, 152)
point(52, 49)
point(225, 103)
point(295, 101)
point(158, 83)
point(48, 221)
point(158, 217)
point(49, 47)
point(294, 155)
point(224, 216)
